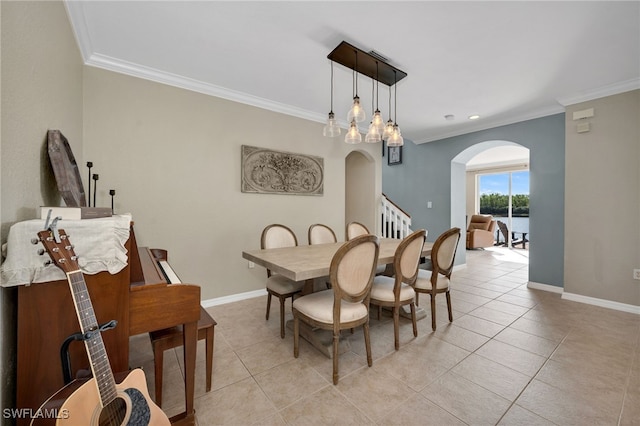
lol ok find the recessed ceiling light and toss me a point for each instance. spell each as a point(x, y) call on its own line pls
point(449, 117)
point(474, 117)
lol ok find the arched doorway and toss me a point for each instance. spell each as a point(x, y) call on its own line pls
point(361, 198)
point(463, 184)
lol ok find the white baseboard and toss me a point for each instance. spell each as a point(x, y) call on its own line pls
point(545, 287)
point(602, 302)
point(458, 267)
point(624, 307)
point(232, 298)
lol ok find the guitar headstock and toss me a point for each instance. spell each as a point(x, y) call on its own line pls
point(57, 245)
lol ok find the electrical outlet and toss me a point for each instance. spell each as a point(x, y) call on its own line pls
point(251, 265)
point(636, 274)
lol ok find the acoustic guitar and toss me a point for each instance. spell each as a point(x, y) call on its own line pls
point(98, 401)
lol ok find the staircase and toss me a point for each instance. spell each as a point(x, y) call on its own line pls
point(396, 223)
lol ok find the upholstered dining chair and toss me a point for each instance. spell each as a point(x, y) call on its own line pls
point(277, 236)
point(355, 229)
point(346, 305)
point(398, 291)
point(321, 234)
point(437, 280)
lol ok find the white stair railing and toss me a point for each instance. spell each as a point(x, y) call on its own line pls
point(395, 222)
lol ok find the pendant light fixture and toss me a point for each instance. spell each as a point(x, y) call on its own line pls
point(373, 135)
point(356, 112)
point(395, 139)
point(331, 129)
point(375, 66)
point(377, 117)
point(388, 128)
point(353, 136)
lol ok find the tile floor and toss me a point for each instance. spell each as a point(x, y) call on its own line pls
point(512, 356)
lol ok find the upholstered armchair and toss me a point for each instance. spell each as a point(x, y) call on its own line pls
point(480, 231)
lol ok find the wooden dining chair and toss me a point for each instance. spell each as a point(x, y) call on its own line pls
point(276, 236)
point(398, 291)
point(321, 234)
point(355, 229)
point(438, 279)
point(346, 305)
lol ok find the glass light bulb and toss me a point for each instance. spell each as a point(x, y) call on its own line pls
point(396, 138)
point(353, 136)
point(331, 129)
point(373, 136)
point(388, 130)
point(356, 112)
point(378, 121)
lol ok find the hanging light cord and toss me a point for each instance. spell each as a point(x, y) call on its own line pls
point(377, 87)
point(395, 101)
point(331, 88)
point(356, 74)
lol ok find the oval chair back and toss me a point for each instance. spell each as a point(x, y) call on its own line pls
point(321, 234)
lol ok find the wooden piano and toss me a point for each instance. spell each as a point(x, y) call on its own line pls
point(138, 297)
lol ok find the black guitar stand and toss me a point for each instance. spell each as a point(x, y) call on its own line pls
point(64, 349)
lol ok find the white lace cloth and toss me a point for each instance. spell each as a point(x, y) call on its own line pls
point(99, 244)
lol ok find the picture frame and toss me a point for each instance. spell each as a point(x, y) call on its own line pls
point(394, 155)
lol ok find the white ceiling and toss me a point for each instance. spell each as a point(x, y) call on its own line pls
point(506, 61)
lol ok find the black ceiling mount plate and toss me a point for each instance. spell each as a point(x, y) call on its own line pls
point(345, 54)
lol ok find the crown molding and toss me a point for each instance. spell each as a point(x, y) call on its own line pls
point(75, 13)
point(601, 92)
point(490, 124)
point(147, 73)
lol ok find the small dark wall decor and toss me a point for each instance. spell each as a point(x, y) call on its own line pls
point(394, 155)
point(265, 171)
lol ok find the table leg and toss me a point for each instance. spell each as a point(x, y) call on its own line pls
point(308, 287)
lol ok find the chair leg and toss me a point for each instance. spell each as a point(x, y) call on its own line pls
point(417, 299)
point(336, 339)
point(449, 306)
point(433, 312)
point(367, 343)
point(413, 320)
point(268, 305)
point(282, 299)
point(296, 336)
point(158, 357)
point(396, 327)
point(209, 355)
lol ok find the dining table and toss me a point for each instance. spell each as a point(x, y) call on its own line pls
point(310, 262)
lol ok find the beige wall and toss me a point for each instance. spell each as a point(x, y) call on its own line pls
point(602, 201)
point(41, 87)
point(173, 157)
point(41, 90)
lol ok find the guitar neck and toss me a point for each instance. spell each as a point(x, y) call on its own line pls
point(96, 351)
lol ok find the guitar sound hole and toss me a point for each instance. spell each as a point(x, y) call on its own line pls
point(114, 413)
point(132, 410)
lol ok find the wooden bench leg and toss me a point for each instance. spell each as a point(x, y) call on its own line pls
point(158, 357)
point(209, 366)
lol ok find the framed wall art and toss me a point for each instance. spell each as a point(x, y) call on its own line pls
point(394, 155)
point(265, 171)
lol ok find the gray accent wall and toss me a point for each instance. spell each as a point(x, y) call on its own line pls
point(434, 172)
